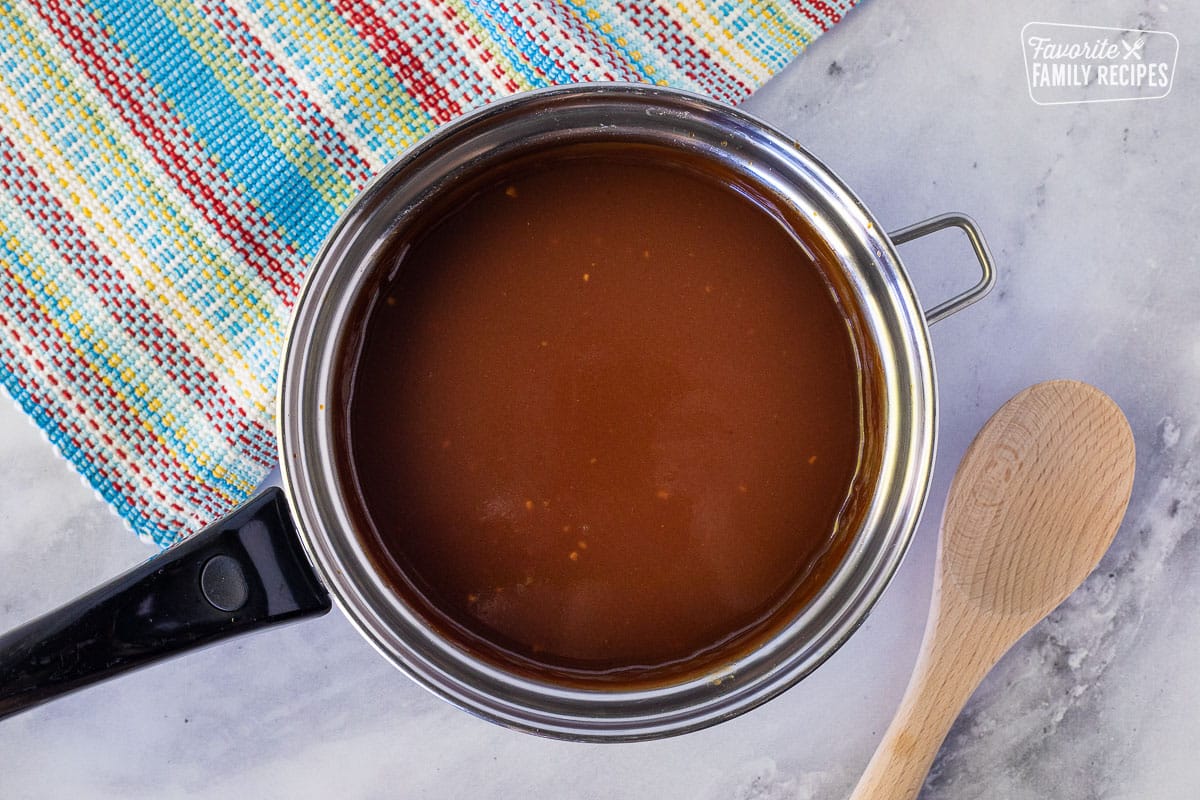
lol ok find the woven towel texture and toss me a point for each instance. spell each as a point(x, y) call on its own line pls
point(168, 168)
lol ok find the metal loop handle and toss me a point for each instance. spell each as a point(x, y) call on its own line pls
point(967, 226)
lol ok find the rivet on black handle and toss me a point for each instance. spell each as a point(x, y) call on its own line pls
point(242, 573)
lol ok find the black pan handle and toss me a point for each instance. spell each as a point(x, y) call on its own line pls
point(241, 573)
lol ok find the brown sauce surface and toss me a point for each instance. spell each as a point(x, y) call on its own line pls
point(605, 418)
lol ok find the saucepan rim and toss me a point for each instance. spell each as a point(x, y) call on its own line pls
point(325, 312)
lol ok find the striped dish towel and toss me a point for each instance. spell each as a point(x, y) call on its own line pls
point(168, 168)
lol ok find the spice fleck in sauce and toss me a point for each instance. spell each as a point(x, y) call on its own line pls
point(605, 417)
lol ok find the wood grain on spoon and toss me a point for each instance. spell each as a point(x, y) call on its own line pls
point(1033, 507)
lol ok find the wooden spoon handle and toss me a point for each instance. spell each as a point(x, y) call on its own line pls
point(942, 682)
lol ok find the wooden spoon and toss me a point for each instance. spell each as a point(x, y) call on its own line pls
point(1034, 505)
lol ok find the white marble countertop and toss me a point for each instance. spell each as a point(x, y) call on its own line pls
point(922, 107)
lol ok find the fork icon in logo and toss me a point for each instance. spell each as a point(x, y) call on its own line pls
point(1134, 49)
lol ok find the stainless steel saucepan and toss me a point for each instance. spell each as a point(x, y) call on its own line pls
point(281, 555)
